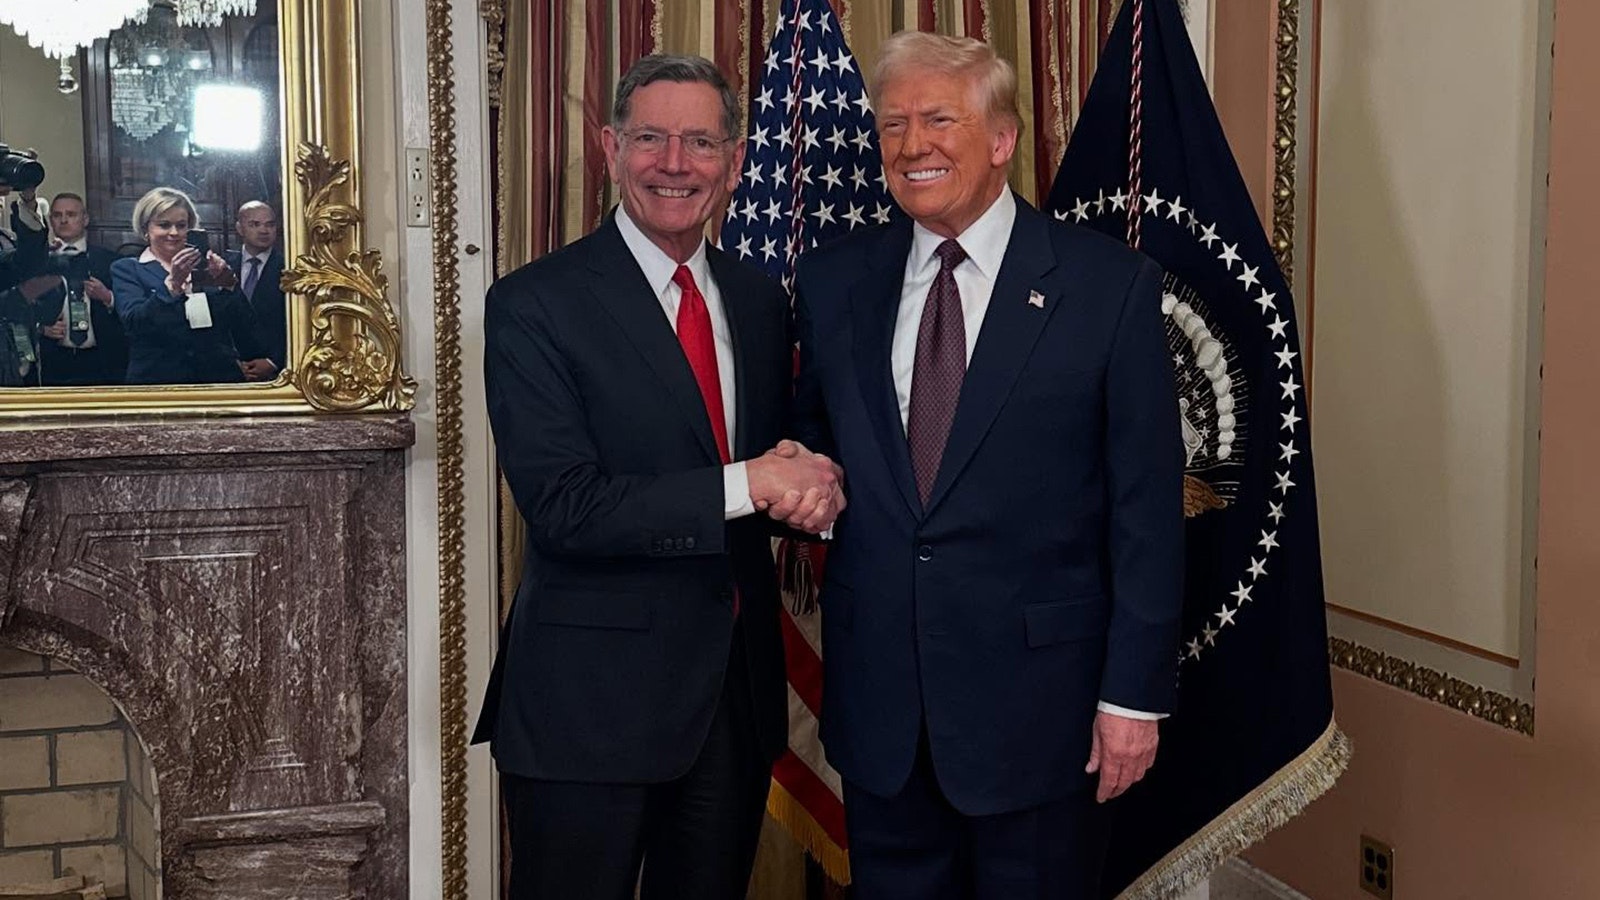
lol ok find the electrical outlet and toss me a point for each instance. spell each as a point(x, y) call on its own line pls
point(1377, 867)
point(419, 189)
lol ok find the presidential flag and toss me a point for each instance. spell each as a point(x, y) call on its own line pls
point(812, 173)
point(1253, 739)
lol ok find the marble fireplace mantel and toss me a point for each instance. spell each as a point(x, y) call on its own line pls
point(237, 586)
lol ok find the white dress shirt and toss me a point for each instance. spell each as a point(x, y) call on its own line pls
point(985, 242)
point(658, 270)
point(244, 266)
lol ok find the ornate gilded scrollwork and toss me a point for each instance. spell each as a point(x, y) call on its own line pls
point(1285, 96)
point(494, 15)
point(353, 361)
point(1507, 712)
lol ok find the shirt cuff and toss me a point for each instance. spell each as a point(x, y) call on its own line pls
point(736, 500)
point(1126, 713)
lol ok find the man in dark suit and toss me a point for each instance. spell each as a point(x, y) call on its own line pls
point(85, 345)
point(633, 377)
point(1001, 604)
point(259, 267)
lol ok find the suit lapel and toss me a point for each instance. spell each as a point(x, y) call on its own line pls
point(619, 284)
point(874, 301)
point(729, 286)
point(1010, 328)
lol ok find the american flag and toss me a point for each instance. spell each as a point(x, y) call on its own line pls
point(812, 173)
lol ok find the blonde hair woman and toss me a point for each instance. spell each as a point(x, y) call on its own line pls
point(182, 329)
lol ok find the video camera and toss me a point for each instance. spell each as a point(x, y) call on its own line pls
point(20, 169)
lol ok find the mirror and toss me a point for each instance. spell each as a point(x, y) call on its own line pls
point(188, 115)
point(264, 299)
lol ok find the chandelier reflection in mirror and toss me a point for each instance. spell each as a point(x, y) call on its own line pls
point(158, 64)
point(59, 28)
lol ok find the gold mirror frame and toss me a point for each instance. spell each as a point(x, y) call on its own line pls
point(344, 336)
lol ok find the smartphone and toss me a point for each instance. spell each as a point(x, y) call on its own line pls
point(199, 240)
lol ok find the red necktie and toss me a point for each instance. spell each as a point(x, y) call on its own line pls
point(694, 333)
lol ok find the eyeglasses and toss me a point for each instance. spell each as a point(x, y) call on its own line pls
point(652, 143)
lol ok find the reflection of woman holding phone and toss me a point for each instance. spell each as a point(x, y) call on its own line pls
point(186, 324)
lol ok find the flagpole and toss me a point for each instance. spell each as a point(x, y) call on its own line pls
point(797, 218)
point(1135, 121)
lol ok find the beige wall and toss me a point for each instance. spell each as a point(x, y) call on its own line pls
point(1474, 810)
point(34, 114)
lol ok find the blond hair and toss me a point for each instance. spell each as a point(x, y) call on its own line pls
point(994, 79)
point(157, 201)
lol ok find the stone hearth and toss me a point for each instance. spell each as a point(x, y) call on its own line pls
point(237, 586)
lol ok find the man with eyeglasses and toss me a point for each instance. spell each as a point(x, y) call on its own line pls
point(634, 379)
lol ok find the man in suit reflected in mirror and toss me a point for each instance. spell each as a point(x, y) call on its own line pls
point(258, 264)
point(85, 345)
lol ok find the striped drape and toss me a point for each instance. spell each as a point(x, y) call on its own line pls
point(563, 58)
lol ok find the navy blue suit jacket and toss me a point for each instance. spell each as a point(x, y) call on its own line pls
point(612, 662)
point(266, 303)
point(1045, 573)
point(162, 348)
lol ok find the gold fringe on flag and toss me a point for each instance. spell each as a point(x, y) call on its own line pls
point(788, 812)
point(1280, 798)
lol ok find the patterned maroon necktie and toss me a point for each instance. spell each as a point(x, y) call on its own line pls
point(940, 366)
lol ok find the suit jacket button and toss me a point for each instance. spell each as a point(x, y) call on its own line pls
point(924, 553)
point(688, 543)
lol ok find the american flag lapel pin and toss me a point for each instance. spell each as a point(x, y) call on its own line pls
point(1036, 300)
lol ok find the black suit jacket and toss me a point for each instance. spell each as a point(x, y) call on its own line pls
point(1045, 573)
point(613, 659)
point(266, 303)
point(107, 361)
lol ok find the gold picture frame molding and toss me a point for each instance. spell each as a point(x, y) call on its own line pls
point(344, 341)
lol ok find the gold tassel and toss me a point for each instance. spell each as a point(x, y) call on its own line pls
point(788, 812)
point(799, 565)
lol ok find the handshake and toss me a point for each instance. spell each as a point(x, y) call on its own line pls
point(791, 484)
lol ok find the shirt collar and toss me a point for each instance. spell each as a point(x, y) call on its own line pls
point(984, 240)
point(657, 266)
point(261, 256)
point(148, 256)
point(81, 245)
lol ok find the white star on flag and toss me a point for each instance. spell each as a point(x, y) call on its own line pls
point(1283, 482)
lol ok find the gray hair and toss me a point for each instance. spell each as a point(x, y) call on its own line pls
point(681, 69)
point(994, 78)
point(158, 201)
